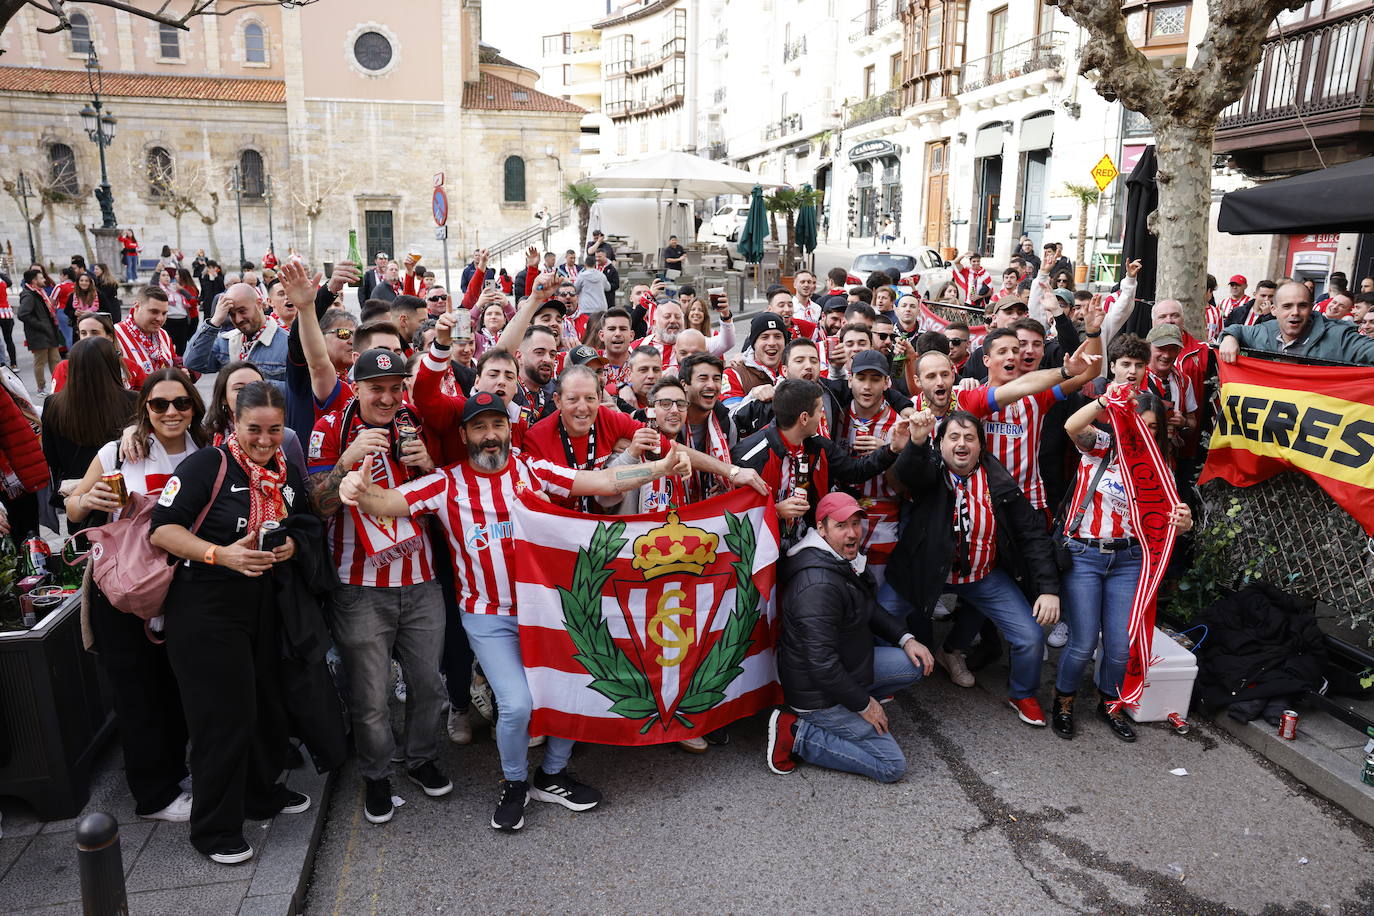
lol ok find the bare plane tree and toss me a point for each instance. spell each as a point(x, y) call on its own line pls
point(314, 195)
point(163, 12)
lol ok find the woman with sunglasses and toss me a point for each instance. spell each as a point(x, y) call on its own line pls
point(84, 414)
point(147, 703)
point(219, 419)
point(223, 637)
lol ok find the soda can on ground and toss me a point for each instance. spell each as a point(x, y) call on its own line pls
point(1367, 774)
point(1288, 725)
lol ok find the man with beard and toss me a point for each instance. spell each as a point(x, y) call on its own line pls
point(799, 465)
point(669, 320)
point(614, 336)
point(473, 502)
point(707, 424)
point(585, 434)
point(832, 316)
point(538, 355)
point(252, 336)
point(645, 369)
point(973, 532)
point(780, 304)
point(1007, 312)
point(806, 305)
point(388, 598)
point(761, 360)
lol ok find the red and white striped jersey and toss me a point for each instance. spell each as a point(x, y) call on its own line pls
point(969, 281)
point(665, 350)
point(475, 508)
point(613, 377)
point(879, 426)
point(1216, 320)
point(1013, 438)
point(1234, 302)
point(974, 523)
point(1106, 513)
point(350, 557)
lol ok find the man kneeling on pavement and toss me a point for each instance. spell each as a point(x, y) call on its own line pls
point(833, 677)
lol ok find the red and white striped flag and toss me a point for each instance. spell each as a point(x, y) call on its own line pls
point(650, 628)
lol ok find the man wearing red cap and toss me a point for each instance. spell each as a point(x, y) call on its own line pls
point(1217, 314)
point(832, 675)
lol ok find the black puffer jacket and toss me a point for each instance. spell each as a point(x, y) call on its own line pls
point(1261, 642)
point(925, 551)
point(829, 617)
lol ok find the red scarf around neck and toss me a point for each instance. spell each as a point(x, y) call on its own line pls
point(266, 501)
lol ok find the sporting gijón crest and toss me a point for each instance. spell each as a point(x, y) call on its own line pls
point(678, 659)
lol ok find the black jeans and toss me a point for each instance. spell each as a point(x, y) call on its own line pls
point(147, 705)
point(7, 328)
point(223, 643)
point(180, 331)
point(457, 660)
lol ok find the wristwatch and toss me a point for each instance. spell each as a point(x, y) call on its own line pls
point(1065, 374)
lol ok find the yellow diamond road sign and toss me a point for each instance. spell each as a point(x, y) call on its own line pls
point(1104, 173)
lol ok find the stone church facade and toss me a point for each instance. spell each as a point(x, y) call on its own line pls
point(333, 116)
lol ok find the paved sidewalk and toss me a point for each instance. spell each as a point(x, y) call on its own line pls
point(164, 874)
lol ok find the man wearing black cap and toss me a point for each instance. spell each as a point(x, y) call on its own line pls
point(388, 598)
point(473, 502)
point(762, 359)
point(599, 244)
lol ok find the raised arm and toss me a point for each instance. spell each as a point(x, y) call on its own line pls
point(515, 329)
point(356, 488)
point(300, 292)
point(1125, 304)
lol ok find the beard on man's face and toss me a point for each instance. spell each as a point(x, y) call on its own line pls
point(491, 454)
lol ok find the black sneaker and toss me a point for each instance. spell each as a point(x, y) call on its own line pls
point(510, 810)
point(295, 803)
point(232, 854)
point(428, 777)
point(563, 789)
point(377, 807)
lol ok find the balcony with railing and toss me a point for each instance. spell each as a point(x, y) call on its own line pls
point(873, 19)
point(716, 151)
point(673, 47)
point(786, 127)
point(793, 49)
point(879, 106)
point(1318, 78)
point(1043, 52)
point(669, 98)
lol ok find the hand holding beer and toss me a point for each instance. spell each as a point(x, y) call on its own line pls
point(101, 498)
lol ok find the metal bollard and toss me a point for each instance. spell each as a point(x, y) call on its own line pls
point(101, 866)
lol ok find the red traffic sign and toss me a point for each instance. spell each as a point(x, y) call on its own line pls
point(440, 207)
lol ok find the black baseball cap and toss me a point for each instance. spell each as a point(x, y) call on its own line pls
point(836, 303)
point(583, 355)
point(379, 363)
point(483, 402)
point(553, 303)
point(871, 360)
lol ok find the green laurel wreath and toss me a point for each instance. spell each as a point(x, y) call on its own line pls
point(614, 676)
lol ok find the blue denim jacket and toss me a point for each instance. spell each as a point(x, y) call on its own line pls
point(211, 348)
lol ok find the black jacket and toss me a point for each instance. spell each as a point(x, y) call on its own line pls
point(40, 327)
point(921, 561)
point(1261, 642)
point(830, 615)
point(753, 415)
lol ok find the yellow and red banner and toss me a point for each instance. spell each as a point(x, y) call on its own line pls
point(1278, 416)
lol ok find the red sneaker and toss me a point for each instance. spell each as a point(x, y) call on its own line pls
point(1029, 711)
point(782, 731)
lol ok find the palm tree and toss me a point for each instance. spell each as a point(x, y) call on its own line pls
point(788, 201)
point(1086, 195)
point(581, 194)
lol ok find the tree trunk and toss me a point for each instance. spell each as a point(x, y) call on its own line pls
point(310, 237)
point(773, 223)
point(176, 218)
point(1082, 231)
point(210, 237)
point(584, 221)
point(790, 253)
point(1185, 188)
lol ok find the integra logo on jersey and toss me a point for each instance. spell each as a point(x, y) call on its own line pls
point(993, 428)
point(479, 537)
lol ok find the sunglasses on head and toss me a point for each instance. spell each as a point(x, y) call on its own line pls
point(162, 405)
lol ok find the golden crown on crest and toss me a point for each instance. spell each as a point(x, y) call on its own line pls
point(674, 548)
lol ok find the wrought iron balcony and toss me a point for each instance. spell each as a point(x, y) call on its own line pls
point(788, 125)
point(794, 49)
point(873, 19)
point(1043, 52)
point(1323, 74)
point(879, 106)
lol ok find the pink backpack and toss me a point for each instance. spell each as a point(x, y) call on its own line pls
point(133, 574)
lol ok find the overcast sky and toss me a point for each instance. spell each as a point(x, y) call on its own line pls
point(518, 28)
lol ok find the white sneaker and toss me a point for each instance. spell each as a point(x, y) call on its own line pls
point(398, 680)
point(1059, 636)
point(178, 812)
point(483, 700)
point(954, 665)
point(459, 728)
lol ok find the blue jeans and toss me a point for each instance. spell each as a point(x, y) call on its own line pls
point(495, 640)
point(998, 598)
point(1098, 591)
point(131, 267)
point(841, 739)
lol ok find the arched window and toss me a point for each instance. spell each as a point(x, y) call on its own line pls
point(81, 33)
point(169, 42)
point(62, 169)
point(515, 179)
point(160, 172)
point(251, 173)
point(254, 44)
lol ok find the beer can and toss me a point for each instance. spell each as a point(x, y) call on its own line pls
point(1288, 725)
point(1367, 774)
point(267, 528)
point(115, 481)
point(406, 433)
point(28, 613)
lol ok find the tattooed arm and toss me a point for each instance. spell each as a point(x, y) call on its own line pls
point(631, 477)
point(324, 485)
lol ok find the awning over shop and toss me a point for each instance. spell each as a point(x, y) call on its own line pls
point(988, 141)
point(1037, 131)
point(1335, 199)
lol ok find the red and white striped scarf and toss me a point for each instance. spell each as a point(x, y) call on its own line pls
point(1151, 495)
point(703, 485)
point(266, 502)
point(150, 351)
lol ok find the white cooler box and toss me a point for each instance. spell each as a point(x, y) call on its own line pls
point(1169, 685)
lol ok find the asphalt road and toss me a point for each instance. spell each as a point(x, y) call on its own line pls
point(992, 816)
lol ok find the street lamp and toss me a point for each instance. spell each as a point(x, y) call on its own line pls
point(236, 179)
point(25, 192)
point(267, 195)
point(100, 127)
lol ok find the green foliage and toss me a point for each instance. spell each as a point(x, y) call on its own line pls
point(1085, 194)
point(581, 193)
point(1220, 562)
